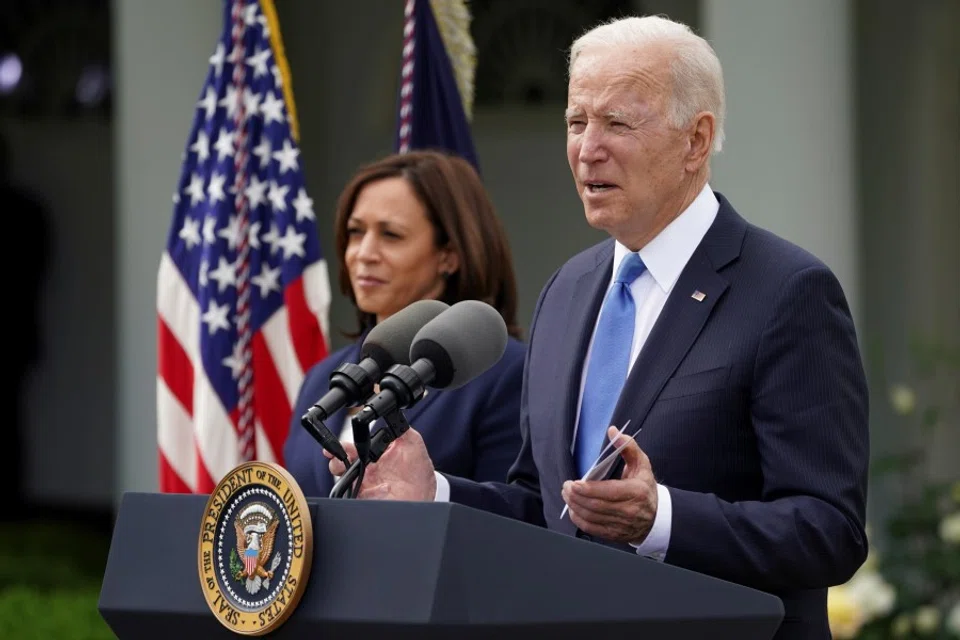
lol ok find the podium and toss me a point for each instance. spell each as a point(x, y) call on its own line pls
point(425, 570)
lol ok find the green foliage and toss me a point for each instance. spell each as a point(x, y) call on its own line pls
point(51, 575)
point(51, 554)
point(236, 567)
point(921, 557)
point(28, 613)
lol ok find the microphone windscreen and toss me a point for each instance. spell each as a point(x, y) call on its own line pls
point(461, 343)
point(389, 342)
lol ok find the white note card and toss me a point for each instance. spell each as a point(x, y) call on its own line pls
point(605, 461)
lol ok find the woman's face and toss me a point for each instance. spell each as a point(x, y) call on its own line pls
point(391, 255)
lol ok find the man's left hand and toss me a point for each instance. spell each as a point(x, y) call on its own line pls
point(619, 510)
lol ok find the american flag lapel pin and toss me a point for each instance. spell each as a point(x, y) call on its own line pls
point(698, 295)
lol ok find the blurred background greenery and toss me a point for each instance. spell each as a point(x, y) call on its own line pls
point(909, 588)
point(51, 566)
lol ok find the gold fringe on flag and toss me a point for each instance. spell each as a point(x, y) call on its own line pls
point(276, 43)
point(453, 20)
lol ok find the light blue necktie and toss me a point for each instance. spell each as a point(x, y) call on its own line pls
point(609, 363)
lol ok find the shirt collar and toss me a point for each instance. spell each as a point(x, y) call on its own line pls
point(668, 253)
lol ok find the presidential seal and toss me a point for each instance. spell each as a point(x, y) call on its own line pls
point(256, 546)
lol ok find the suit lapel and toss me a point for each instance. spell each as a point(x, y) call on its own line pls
point(682, 319)
point(674, 332)
point(585, 302)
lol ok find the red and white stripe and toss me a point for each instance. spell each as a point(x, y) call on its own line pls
point(250, 563)
point(199, 439)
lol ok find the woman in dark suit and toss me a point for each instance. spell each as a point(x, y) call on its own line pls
point(411, 227)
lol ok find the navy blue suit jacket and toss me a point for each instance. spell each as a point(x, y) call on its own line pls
point(471, 431)
point(751, 405)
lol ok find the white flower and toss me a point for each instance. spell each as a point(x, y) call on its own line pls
point(874, 595)
point(844, 613)
point(953, 619)
point(902, 398)
point(950, 528)
point(926, 619)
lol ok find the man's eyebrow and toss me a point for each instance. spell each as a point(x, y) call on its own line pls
point(617, 114)
point(612, 114)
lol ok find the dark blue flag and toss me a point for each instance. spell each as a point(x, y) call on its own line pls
point(436, 79)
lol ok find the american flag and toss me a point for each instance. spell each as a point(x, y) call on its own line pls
point(436, 79)
point(243, 291)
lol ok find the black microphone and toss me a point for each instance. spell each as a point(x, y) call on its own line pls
point(387, 344)
point(449, 351)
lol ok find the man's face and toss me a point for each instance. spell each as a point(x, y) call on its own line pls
point(627, 160)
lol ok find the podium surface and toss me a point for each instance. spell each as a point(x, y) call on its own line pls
point(425, 570)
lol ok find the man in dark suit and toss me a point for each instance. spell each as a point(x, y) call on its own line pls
point(731, 352)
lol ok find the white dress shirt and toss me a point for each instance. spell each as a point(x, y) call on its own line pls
point(665, 257)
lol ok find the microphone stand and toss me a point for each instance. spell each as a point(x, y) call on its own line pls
point(352, 478)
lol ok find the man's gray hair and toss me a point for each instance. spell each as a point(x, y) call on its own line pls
point(697, 74)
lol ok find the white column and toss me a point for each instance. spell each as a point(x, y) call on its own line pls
point(788, 161)
point(161, 53)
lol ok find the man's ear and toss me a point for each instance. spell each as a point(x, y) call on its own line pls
point(700, 140)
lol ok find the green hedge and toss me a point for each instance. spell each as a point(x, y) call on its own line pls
point(50, 574)
point(30, 613)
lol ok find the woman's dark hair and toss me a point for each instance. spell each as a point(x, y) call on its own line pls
point(463, 219)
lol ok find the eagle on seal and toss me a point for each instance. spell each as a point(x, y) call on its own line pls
point(256, 528)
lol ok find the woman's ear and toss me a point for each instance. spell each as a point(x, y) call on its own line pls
point(449, 262)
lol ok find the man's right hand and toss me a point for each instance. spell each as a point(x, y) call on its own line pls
point(403, 472)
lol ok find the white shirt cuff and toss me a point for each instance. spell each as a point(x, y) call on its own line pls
point(443, 488)
point(658, 540)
